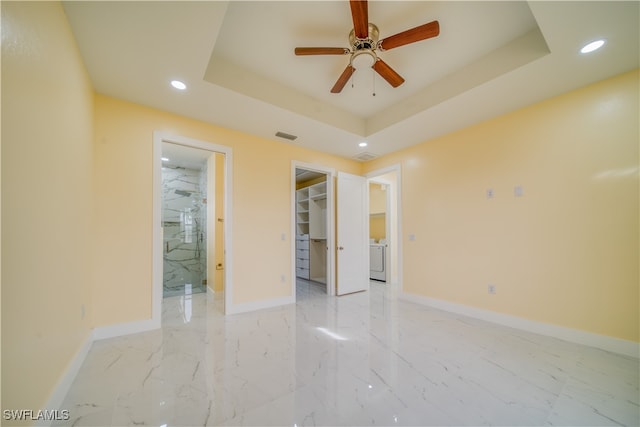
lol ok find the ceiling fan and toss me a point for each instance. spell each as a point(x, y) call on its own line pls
point(364, 41)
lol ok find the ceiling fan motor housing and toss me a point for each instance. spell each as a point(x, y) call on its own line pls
point(369, 42)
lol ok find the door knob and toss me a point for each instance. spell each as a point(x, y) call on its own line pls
point(340, 248)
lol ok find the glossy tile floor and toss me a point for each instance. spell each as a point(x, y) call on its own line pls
point(362, 359)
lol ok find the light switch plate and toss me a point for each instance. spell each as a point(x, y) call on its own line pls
point(518, 191)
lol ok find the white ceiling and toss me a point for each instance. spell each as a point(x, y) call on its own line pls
point(238, 62)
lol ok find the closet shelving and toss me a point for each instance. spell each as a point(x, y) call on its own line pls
point(302, 233)
point(311, 228)
point(302, 211)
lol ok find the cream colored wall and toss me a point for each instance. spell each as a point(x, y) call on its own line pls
point(377, 227)
point(377, 205)
point(1, 407)
point(377, 199)
point(47, 109)
point(261, 207)
point(566, 252)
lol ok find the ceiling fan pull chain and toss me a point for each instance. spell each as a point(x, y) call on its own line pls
point(373, 76)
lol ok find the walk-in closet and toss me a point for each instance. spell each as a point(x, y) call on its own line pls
point(311, 226)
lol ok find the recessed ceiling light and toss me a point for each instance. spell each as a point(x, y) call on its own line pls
point(178, 84)
point(590, 47)
point(165, 159)
point(363, 144)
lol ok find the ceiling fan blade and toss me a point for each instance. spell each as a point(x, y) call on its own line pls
point(387, 73)
point(422, 32)
point(360, 15)
point(322, 51)
point(343, 79)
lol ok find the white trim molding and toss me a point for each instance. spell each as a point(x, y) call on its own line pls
point(128, 328)
point(158, 139)
point(331, 255)
point(60, 391)
point(260, 305)
point(372, 176)
point(56, 399)
point(603, 342)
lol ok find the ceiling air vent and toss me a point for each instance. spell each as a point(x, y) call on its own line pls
point(365, 157)
point(286, 136)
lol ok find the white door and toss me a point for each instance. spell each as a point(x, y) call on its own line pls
point(353, 235)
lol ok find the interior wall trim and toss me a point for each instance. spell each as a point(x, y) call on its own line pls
point(331, 221)
point(260, 305)
point(56, 399)
point(603, 342)
point(127, 328)
point(397, 169)
point(158, 138)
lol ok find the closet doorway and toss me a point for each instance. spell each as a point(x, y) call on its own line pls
point(312, 231)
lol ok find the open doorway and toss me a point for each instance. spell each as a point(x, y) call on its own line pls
point(186, 219)
point(384, 225)
point(312, 231)
point(379, 216)
point(191, 237)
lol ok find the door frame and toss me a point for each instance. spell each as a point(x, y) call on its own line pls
point(158, 138)
point(397, 237)
point(331, 253)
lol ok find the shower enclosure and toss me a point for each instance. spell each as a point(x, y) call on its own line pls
point(184, 222)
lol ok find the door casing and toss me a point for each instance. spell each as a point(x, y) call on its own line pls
point(394, 276)
point(331, 253)
point(158, 139)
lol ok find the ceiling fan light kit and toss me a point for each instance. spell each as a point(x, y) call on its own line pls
point(364, 41)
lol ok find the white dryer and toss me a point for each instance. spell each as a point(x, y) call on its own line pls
point(377, 261)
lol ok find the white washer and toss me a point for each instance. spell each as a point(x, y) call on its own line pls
point(377, 262)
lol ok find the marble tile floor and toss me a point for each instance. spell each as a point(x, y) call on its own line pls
point(362, 359)
point(182, 289)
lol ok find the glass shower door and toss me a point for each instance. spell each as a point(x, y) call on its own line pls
point(184, 231)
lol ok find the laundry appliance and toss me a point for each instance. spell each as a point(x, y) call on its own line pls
point(377, 262)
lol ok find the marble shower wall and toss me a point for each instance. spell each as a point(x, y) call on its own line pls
point(184, 220)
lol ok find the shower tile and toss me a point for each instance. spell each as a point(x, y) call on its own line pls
point(184, 230)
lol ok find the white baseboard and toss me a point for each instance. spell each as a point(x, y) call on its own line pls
point(62, 388)
point(120, 329)
point(259, 305)
point(603, 342)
